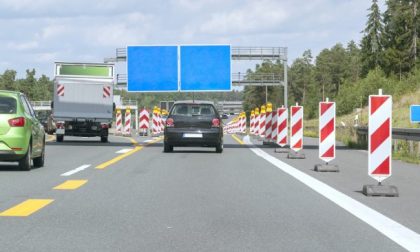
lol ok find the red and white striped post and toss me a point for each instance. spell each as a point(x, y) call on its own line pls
point(144, 122)
point(118, 124)
point(326, 137)
point(127, 121)
point(155, 122)
point(296, 132)
point(380, 145)
point(274, 126)
point(261, 132)
point(380, 136)
point(282, 124)
point(251, 122)
point(327, 131)
point(257, 122)
point(268, 121)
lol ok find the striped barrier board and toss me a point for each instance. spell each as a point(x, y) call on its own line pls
point(282, 124)
point(380, 136)
point(327, 131)
point(296, 129)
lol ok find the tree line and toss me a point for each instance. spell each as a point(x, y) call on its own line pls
point(386, 57)
point(36, 89)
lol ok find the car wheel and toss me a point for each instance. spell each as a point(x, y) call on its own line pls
point(39, 161)
point(104, 139)
point(219, 148)
point(60, 138)
point(25, 162)
point(167, 147)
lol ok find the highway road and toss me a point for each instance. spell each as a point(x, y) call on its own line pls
point(88, 197)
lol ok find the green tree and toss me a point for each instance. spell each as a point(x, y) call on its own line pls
point(371, 45)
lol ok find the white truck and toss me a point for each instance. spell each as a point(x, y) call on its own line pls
point(83, 99)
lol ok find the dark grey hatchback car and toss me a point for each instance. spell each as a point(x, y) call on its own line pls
point(193, 123)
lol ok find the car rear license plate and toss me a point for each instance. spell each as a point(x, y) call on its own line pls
point(59, 131)
point(193, 135)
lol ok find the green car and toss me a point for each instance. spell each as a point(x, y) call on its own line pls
point(22, 136)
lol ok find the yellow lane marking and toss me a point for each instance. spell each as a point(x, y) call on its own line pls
point(27, 207)
point(118, 158)
point(122, 156)
point(71, 184)
point(237, 139)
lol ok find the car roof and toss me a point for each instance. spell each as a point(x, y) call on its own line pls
point(194, 102)
point(9, 92)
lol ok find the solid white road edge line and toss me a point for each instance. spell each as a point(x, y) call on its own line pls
point(123, 151)
point(400, 234)
point(78, 169)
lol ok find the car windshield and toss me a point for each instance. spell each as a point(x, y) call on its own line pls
point(7, 105)
point(193, 110)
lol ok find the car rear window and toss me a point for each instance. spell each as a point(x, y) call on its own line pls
point(193, 110)
point(7, 105)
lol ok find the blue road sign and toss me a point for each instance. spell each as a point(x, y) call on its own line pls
point(415, 113)
point(152, 68)
point(205, 68)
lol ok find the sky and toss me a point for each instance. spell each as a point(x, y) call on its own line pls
point(37, 33)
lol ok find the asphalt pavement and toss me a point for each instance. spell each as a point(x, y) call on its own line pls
point(141, 199)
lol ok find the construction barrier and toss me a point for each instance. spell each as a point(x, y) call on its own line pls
point(261, 132)
point(155, 122)
point(327, 131)
point(296, 129)
point(380, 133)
point(144, 119)
point(257, 122)
point(282, 119)
point(243, 123)
point(274, 126)
point(127, 123)
point(118, 124)
point(251, 122)
point(268, 121)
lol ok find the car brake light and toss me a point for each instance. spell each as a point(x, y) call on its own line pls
point(215, 122)
point(170, 122)
point(17, 122)
point(104, 126)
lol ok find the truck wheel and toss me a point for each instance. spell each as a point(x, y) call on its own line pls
point(60, 138)
point(25, 162)
point(104, 139)
point(219, 148)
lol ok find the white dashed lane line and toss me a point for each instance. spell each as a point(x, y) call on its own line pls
point(78, 169)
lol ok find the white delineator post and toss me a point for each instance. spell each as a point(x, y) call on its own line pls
point(380, 136)
point(327, 131)
point(268, 121)
point(144, 121)
point(251, 123)
point(261, 132)
point(282, 119)
point(296, 129)
point(155, 123)
point(127, 126)
point(118, 124)
point(274, 126)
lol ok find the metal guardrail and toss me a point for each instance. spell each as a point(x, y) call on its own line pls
point(397, 133)
point(238, 53)
point(40, 103)
point(237, 79)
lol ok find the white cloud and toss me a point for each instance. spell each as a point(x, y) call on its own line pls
point(22, 46)
point(251, 17)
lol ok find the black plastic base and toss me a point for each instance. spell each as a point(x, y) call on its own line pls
point(380, 190)
point(326, 168)
point(296, 155)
